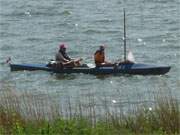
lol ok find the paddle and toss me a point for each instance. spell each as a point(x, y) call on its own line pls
point(8, 60)
point(124, 34)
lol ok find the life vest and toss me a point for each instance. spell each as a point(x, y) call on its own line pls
point(99, 57)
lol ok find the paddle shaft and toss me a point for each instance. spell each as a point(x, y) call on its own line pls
point(124, 36)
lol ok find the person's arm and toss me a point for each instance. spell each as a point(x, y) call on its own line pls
point(67, 57)
point(60, 57)
point(64, 59)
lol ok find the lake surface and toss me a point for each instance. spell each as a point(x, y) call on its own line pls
point(31, 31)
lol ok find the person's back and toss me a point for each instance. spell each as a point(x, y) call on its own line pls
point(99, 57)
point(59, 57)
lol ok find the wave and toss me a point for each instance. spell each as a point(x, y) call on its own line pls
point(92, 31)
point(34, 39)
point(36, 13)
point(160, 1)
point(6, 47)
point(7, 34)
point(103, 21)
point(66, 12)
point(95, 31)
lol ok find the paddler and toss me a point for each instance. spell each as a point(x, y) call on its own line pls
point(63, 58)
point(99, 58)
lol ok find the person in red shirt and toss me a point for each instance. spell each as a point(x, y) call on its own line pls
point(99, 58)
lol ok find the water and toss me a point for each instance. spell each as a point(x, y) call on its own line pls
point(30, 32)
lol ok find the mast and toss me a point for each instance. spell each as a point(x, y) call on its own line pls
point(124, 35)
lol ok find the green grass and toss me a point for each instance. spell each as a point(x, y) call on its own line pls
point(30, 116)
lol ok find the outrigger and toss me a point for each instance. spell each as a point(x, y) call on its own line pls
point(122, 68)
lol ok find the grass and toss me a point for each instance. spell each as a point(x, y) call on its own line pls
point(26, 114)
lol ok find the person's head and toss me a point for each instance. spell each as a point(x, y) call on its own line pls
point(62, 47)
point(101, 48)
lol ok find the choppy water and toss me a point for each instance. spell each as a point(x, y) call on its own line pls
point(30, 31)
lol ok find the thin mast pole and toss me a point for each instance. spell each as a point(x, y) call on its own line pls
point(124, 35)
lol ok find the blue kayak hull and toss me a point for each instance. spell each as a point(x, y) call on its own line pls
point(130, 68)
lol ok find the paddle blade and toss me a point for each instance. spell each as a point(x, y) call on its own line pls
point(91, 65)
point(8, 60)
point(131, 57)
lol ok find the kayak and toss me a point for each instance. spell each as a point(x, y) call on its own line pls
point(123, 68)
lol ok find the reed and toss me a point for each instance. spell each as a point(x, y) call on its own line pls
point(31, 114)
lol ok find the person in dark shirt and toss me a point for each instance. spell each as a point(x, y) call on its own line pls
point(62, 57)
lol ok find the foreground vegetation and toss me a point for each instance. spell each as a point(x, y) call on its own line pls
point(162, 118)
